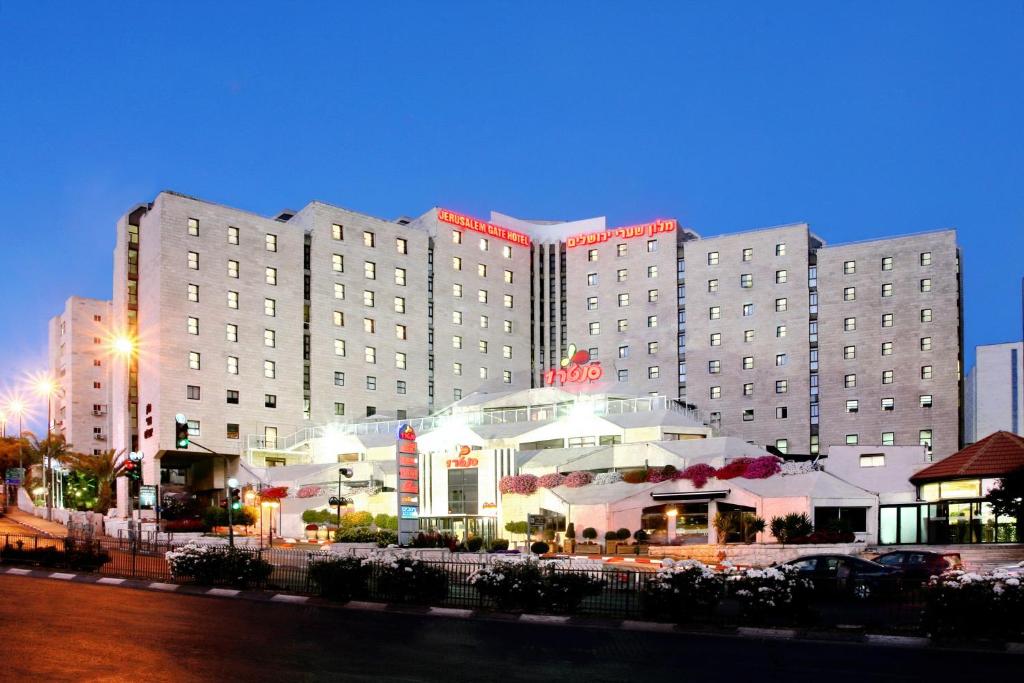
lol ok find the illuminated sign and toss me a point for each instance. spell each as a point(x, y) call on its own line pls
point(643, 230)
point(575, 368)
point(461, 462)
point(408, 460)
point(484, 227)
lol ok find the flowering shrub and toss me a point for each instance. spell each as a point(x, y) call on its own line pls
point(208, 564)
point(960, 603)
point(682, 589)
point(403, 579)
point(575, 480)
point(550, 481)
point(733, 469)
point(522, 484)
point(526, 585)
point(310, 492)
point(434, 539)
point(762, 468)
point(607, 478)
point(337, 577)
point(698, 474)
point(769, 590)
point(656, 475)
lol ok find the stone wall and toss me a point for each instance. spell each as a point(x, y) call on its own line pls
point(755, 554)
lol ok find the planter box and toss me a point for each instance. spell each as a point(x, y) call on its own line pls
point(588, 549)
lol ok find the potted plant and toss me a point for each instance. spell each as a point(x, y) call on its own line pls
point(322, 533)
point(589, 547)
point(311, 531)
point(623, 545)
point(570, 538)
point(610, 540)
point(641, 541)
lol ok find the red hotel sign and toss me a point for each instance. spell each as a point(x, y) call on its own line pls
point(489, 229)
point(576, 368)
point(645, 229)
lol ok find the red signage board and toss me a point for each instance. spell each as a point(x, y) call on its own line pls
point(408, 460)
point(575, 368)
point(628, 232)
point(489, 229)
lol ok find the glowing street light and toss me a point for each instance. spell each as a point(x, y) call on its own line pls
point(123, 345)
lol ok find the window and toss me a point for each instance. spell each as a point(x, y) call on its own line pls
point(748, 362)
point(369, 299)
point(232, 299)
point(192, 392)
point(339, 290)
point(483, 373)
point(780, 249)
point(270, 242)
point(481, 296)
point(886, 348)
point(339, 347)
point(624, 351)
point(623, 375)
point(591, 303)
point(886, 290)
point(850, 381)
point(748, 389)
point(781, 413)
point(456, 342)
point(888, 404)
point(269, 400)
point(748, 254)
point(716, 392)
point(888, 438)
point(193, 293)
point(712, 258)
point(622, 324)
point(780, 331)
point(926, 343)
point(926, 315)
point(925, 400)
point(591, 279)
point(852, 439)
point(507, 301)
point(748, 310)
point(506, 251)
point(401, 245)
point(339, 379)
point(852, 406)
point(781, 386)
point(849, 352)
point(652, 321)
point(621, 274)
point(456, 237)
point(620, 250)
point(652, 271)
point(926, 258)
point(780, 305)
point(232, 397)
point(232, 268)
point(337, 263)
point(926, 372)
point(400, 360)
point(337, 232)
point(748, 414)
point(508, 276)
point(232, 235)
point(716, 339)
point(592, 254)
point(193, 260)
point(270, 276)
point(369, 239)
point(506, 376)
point(849, 267)
point(269, 338)
point(715, 313)
point(714, 366)
point(400, 387)
point(481, 346)
point(712, 285)
point(624, 299)
point(369, 270)
point(849, 293)
point(370, 354)
point(887, 319)
point(193, 325)
point(748, 336)
point(399, 304)
point(887, 376)
point(780, 277)
point(193, 360)
point(339, 409)
point(507, 326)
point(652, 245)
point(193, 428)
point(780, 359)
point(746, 280)
point(483, 244)
point(456, 263)
point(652, 296)
point(232, 365)
point(339, 318)
point(457, 368)
point(270, 307)
point(457, 290)
point(481, 269)
point(269, 369)
point(849, 324)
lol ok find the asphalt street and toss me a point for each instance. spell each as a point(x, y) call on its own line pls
point(55, 631)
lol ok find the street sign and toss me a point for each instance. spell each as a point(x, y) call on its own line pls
point(15, 475)
point(147, 495)
point(536, 520)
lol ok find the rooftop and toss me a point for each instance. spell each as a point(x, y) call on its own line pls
point(993, 456)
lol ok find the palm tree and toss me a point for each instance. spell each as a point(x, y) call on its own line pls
point(104, 467)
point(54, 448)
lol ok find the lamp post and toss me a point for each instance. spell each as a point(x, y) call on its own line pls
point(125, 346)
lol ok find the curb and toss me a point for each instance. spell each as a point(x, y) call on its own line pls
point(532, 619)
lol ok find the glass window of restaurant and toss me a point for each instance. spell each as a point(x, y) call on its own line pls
point(953, 512)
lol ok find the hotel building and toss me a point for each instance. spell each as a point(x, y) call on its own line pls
point(259, 329)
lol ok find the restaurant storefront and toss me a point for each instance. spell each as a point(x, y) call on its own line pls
point(952, 512)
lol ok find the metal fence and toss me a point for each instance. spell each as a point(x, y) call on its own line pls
point(890, 605)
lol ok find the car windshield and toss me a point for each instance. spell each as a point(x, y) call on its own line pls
point(890, 560)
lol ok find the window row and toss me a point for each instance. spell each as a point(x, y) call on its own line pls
point(888, 319)
point(924, 259)
point(746, 255)
point(621, 325)
point(484, 244)
point(269, 240)
point(621, 275)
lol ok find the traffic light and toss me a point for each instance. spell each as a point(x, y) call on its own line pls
point(180, 431)
point(235, 498)
point(132, 467)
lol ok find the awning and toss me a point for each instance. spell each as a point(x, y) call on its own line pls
point(692, 496)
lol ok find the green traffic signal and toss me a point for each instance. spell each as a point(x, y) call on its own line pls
point(180, 431)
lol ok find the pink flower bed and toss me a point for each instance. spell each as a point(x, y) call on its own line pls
point(698, 474)
point(550, 481)
point(763, 467)
point(522, 484)
point(309, 492)
point(578, 479)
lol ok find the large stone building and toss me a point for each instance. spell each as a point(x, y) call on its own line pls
point(258, 328)
point(995, 391)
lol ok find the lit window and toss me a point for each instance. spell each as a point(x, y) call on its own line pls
point(852, 406)
point(849, 352)
point(849, 293)
point(269, 338)
point(270, 242)
point(886, 348)
point(269, 369)
point(400, 332)
point(506, 351)
point(888, 438)
point(780, 277)
point(886, 290)
point(780, 331)
point(888, 404)
point(748, 336)
point(748, 310)
point(780, 359)
point(652, 348)
point(270, 276)
point(337, 263)
point(748, 254)
point(782, 445)
point(507, 300)
point(457, 317)
point(849, 267)
point(269, 307)
point(715, 313)
point(926, 285)
point(887, 319)
point(780, 249)
point(746, 280)
point(623, 299)
point(193, 360)
point(456, 290)
point(507, 326)
point(849, 324)
point(369, 325)
point(748, 389)
point(592, 254)
point(716, 392)
point(339, 319)
point(193, 293)
point(483, 373)
point(193, 227)
point(232, 299)
point(620, 250)
point(369, 240)
point(712, 285)
point(926, 315)
point(851, 439)
point(484, 321)
point(193, 260)
point(231, 332)
point(652, 296)
point(481, 269)
point(232, 365)
point(781, 305)
point(401, 245)
point(712, 258)
point(781, 386)
point(926, 372)
point(339, 347)
point(193, 325)
point(508, 276)
point(887, 376)
point(339, 379)
point(871, 459)
point(714, 367)
point(622, 324)
point(716, 339)
point(595, 328)
point(926, 258)
point(400, 360)
point(652, 245)
point(652, 321)
point(456, 237)
point(483, 244)
point(925, 400)
point(370, 354)
point(368, 298)
point(337, 232)
point(481, 346)
point(481, 296)
point(339, 290)
point(232, 268)
point(456, 263)
point(652, 271)
point(456, 342)
point(506, 376)
point(887, 263)
point(591, 303)
point(621, 274)
point(926, 343)
point(506, 251)
point(400, 277)
point(232, 235)
point(748, 362)
point(456, 368)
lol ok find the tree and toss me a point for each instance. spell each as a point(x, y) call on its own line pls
point(1007, 499)
point(104, 467)
point(518, 528)
point(53, 449)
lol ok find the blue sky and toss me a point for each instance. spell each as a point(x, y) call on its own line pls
point(864, 119)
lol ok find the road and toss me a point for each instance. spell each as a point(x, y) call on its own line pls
point(54, 631)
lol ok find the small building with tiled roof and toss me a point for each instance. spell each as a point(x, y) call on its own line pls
point(994, 456)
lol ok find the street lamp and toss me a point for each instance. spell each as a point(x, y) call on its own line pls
point(125, 347)
point(271, 505)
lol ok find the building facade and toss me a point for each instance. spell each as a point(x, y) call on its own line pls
point(79, 362)
point(258, 328)
point(995, 391)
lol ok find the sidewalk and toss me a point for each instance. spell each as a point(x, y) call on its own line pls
point(35, 524)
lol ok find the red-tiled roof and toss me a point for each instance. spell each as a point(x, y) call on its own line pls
point(993, 456)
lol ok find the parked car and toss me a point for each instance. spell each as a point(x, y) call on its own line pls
point(848, 576)
point(919, 565)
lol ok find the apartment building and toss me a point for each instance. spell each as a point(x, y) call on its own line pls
point(995, 391)
point(257, 328)
point(79, 358)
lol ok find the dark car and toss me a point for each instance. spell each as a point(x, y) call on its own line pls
point(919, 565)
point(846, 575)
